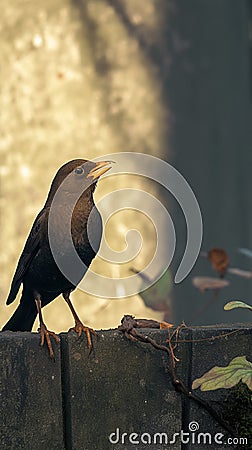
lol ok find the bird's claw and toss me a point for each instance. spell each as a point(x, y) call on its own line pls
point(79, 328)
point(45, 335)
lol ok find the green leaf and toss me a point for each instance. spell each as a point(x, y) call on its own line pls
point(236, 304)
point(159, 293)
point(239, 369)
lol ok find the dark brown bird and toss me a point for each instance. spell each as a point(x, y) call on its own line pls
point(70, 201)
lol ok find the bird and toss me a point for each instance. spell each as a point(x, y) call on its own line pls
point(37, 270)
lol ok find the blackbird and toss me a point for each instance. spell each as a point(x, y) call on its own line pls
point(37, 269)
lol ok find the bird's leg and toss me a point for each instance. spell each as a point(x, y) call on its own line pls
point(79, 327)
point(44, 332)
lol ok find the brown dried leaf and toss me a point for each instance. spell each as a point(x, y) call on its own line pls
point(206, 283)
point(240, 272)
point(219, 260)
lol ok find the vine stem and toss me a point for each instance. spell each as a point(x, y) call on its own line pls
point(128, 327)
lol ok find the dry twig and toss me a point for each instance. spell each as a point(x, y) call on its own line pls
point(129, 327)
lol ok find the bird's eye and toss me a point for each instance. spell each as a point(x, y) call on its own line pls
point(79, 170)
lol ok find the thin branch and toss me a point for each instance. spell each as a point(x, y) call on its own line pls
point(128, 327)
point(211, 338)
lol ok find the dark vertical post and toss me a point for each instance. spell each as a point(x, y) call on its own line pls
point(210, 94)
point(30, 391)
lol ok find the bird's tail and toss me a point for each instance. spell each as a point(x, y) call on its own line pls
point(23, 318)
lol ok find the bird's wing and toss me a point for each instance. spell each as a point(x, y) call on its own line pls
point(31, 247)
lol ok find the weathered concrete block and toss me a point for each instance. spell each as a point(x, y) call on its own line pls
point(30, 394)
point(122, 387)
point(209, 349)
point(118, 397)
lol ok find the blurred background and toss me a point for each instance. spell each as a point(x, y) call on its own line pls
point(169, 78)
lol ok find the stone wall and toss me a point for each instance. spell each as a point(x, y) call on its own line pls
point(87, 402)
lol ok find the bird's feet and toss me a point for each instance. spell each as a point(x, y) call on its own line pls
point(79, 328)
point(45, 335)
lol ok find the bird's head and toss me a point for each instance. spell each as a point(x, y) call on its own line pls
point(78, 176)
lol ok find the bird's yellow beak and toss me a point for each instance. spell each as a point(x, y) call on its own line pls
point(100, 168)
